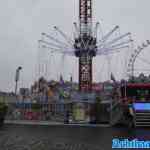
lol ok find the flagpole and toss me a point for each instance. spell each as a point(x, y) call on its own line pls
point(125, 90)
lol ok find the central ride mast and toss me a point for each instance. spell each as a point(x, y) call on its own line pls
point(85, 45)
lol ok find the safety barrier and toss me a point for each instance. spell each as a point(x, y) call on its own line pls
point(31, 111)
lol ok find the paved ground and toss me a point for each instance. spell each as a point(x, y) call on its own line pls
point(35, 137)
point(28, 122)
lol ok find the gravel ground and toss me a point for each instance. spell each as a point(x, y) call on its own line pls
point(34, 137)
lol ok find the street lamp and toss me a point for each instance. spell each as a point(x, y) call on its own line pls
point(17, 78)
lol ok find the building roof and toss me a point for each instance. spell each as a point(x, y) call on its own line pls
point(138, 85)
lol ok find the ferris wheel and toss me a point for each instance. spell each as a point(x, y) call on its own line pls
point(139, 61)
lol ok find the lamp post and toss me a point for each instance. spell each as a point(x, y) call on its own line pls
point(17, 78)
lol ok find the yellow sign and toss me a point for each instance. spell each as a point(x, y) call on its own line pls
point(79, 113)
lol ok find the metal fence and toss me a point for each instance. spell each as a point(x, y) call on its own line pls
point(31, 111)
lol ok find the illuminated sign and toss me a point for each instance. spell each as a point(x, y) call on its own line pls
point(141, 106)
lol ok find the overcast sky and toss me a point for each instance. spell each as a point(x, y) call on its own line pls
point(22, 21)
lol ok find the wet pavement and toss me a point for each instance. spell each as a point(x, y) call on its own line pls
point(35, 137)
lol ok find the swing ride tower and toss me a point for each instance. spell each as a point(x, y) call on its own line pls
point(85, 45)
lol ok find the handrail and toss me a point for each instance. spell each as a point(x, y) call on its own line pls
point(114, 105)
point(115, 110)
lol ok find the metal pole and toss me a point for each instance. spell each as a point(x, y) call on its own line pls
point(16, 87)
point(125, 89)
point(17, 78)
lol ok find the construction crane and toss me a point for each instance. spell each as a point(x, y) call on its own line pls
point(85, 44)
